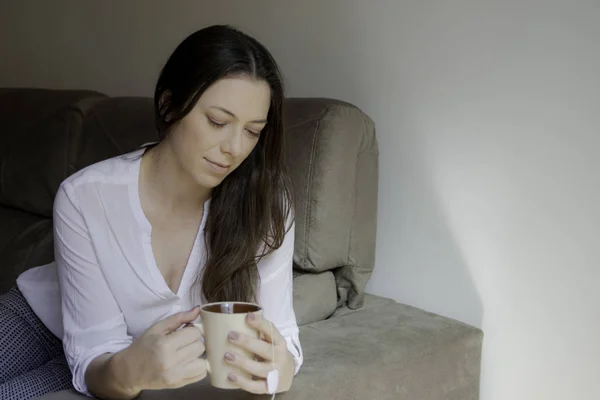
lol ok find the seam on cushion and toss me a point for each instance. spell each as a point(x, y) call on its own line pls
point(2, 169)
point(354, 209)
point(69, 138)
point(330, 103)
point(309, 185)
point(106, 133)
point(74, 140)
point(71, 123)
point(360, 152)
point(326, 101)
point(303, 122)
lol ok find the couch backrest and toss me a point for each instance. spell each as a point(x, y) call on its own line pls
point(39, 132)
point(39, 135)
point(332, 155)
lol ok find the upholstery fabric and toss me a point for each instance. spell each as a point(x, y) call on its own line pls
point(333, 159)
point(39, 133)
point(371, 301)
point(116, 126)
point(314, 296)
point(26, 240)
point(392, 352)
point(356, 345)
point(332, 152)
point(40, 130)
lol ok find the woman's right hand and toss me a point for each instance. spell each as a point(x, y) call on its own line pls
point(164, 357)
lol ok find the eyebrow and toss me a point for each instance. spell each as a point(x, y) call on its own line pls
point(226, 111)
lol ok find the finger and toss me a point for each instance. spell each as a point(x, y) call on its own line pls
point(195, 369)
point(185, 336)
point(190, 352)
point(247, 384)
point(191, 372)
point(175, 321)
point(254, 345)
point(267, 328)
point(253, 367)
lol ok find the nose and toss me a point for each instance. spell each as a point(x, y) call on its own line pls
point(233, 142)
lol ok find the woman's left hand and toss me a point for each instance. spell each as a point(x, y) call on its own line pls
point(272, 342)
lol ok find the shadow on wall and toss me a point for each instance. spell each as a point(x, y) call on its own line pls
point(419, 258)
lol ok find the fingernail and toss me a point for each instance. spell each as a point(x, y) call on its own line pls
point(229, 357)
point(251, 316)
point(232, 377)
point(233, 335)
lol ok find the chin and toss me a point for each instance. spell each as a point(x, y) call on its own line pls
point(209, 181)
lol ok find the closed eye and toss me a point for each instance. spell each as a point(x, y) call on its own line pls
point(215, 123)
point(253, 133)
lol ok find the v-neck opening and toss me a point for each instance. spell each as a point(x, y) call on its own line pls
point(146, 227)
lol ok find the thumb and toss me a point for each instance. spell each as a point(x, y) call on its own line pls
point(175, 321)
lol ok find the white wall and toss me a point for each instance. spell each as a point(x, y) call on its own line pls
point(489, 126)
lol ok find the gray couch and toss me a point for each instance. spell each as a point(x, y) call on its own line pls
point(356, 345)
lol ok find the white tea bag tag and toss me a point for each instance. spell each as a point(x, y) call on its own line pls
point(273, 375)
point(272, 381)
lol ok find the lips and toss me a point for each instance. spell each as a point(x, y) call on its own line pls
point(217, 167)
point(217, 164)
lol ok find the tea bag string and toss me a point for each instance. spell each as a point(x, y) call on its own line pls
point(272, 357)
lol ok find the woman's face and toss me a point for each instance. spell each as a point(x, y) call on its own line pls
point(221, 130)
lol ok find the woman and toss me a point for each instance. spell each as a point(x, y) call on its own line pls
point(141, 239)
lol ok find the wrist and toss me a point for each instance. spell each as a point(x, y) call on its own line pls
point(291, 362)
point(288, 373)
point(124, 375)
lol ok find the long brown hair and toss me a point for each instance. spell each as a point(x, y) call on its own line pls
point(250, 208)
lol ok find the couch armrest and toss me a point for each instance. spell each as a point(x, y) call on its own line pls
point(387, 352)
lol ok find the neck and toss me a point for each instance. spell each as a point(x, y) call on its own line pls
point(168, 184)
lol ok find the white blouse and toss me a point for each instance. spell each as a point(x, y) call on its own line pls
point(112, 289)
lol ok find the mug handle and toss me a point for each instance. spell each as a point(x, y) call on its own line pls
point(200, 327)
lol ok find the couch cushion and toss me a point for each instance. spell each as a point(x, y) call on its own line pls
point(314, 296)
point(371, 301)
point(25, 241)
point(332, 156)
point(39, 131)
point(389, 352)
point(116, 126)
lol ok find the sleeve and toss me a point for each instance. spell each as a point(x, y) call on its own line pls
point(276, 294)
point(92, 320)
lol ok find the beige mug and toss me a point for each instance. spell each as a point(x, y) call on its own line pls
point(217, 320)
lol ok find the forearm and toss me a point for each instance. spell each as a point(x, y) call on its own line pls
point(108, 377)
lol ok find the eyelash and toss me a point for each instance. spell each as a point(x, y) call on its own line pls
point(217, 125)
